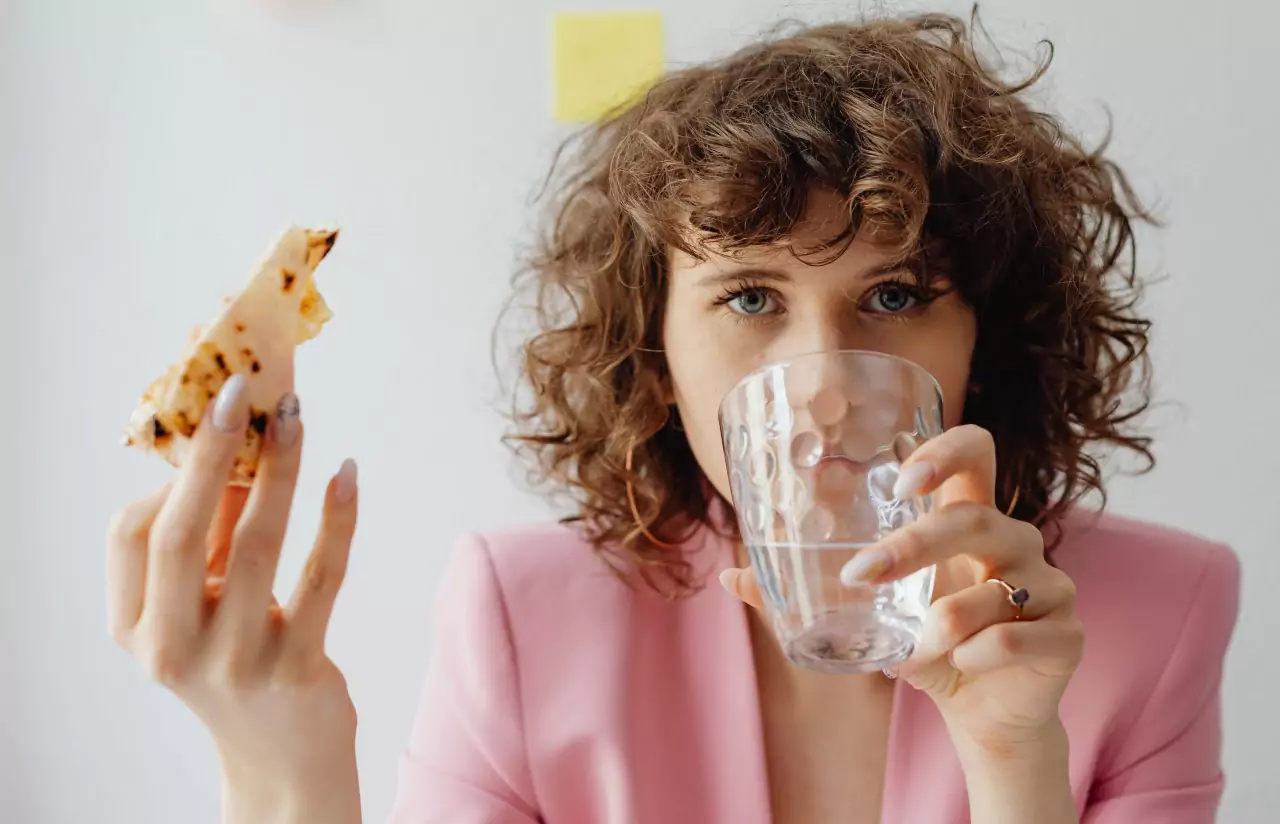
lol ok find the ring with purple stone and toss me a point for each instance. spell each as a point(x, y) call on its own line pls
point(1017, 597)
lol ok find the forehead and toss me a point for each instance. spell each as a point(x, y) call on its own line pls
point(819, 238)
point(863, 257)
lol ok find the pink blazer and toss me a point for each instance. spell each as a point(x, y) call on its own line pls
point(556, 694)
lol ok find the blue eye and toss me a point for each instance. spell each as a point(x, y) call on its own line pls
point(751, 301)
point(893, 299)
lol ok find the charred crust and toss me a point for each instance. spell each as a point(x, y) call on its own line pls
point(159, 432)
point(256, 367)
point(221, 360)
point(288, 279)
point(240, 327)
point(326, 239)
point(258, 421)
point(185, 426)
point(318, 246)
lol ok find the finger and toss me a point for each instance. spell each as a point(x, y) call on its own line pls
point(258, 537)
point(952, 620)
point(956, 618)
point(127, 562)
point(1050, 647)
point(741, 584)
point(313, 598)
point(224, 525)
point(179, 538)
point(960, 462)
point(998, 543)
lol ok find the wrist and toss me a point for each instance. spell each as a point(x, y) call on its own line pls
point(1020, 746)
point(324, 796)
point(1018, 779)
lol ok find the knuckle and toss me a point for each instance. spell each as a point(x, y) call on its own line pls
point(178, 537)
point(1066, 589)
point(255, 544)
point(952, 620)
point(971, 517)
point(234, 672)
point(126, 527)
point(168, 664)
point(324, 572)
point(979, 435)
point(317, 574)
point(249, 537)
point(249, 559)
point(1031, 536)
point(983, 436)
point(296, 666)
point(120, 632)
point(1007, 638)
point(911, 545)
point(1074, 631)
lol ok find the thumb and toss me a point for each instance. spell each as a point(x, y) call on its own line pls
point(741, 584)
point(934, 677)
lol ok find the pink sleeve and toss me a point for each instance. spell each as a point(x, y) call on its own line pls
point(466, 759)
point(1168, 768)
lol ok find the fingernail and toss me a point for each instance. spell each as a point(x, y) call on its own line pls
point(285, 426)
point(226, 409)
point(345, 488)
point(867, 565)
point(729, 580)
point(912, 480)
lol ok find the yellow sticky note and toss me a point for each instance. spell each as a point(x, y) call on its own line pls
point(603, 60)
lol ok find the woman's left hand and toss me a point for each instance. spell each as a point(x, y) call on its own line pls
point(995, 670)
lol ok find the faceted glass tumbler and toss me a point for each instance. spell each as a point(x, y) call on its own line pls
point(813, 446)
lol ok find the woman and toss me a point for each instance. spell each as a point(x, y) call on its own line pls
point(849, 187)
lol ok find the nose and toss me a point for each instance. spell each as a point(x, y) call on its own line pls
point(816, 382)
point(819, 380)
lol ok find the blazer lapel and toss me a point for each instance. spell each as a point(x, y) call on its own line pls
point(716, 646)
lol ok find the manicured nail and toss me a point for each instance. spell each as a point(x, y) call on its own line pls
point(912, 480)
point(345, 488)
point(729, 580)
point(867, 565)
point(285, 425)
point(227, 414)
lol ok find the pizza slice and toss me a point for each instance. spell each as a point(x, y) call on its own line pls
point(255, 336)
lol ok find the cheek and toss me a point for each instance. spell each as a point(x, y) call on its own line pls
point(952, 374)
point(698, 415)
point(945, 351)
point(953, 403)
point(702, 371)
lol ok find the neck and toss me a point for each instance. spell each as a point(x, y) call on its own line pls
point(778, 677)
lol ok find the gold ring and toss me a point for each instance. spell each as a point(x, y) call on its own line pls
point(1016, 597)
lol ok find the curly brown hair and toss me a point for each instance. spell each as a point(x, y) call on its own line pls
point(923, 140)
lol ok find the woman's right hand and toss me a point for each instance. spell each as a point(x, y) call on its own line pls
point(189, 591)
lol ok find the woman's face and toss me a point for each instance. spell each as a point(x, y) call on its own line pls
point(728, 316)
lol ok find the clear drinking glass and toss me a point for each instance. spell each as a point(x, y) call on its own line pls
point(813, 447)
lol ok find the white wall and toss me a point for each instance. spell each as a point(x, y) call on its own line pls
point(158, 146)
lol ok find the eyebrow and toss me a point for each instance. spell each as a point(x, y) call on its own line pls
point(778, 276)
point(746, 273)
